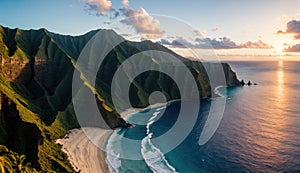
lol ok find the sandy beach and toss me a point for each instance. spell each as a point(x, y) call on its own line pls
point(86, 155)
point(83, 154)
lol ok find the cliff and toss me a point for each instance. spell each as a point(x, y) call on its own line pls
point(36, 70)
point(17, 135)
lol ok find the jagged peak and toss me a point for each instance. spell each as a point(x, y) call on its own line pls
point(17, 29)
point(110, 34)
point(107, 34)
point(47, 31)
point(68, 35)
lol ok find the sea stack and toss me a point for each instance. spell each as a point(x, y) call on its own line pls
point(249, 83)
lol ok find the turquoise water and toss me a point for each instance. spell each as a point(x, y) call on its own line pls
point(259, 132)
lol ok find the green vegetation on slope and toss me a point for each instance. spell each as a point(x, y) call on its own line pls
point(36, 70)
point(11, 162)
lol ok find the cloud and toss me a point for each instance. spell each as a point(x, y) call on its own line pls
point(114, 14)
point(256, 45)
point(142, 22)
point(201, 43)
point(208, 43)
point(294, 48)
point(101, 7)
point(215, 29)
point(125, 3)
point(199, 32)
point(179, 42)
point(280, 32)
point(221, 43)
point(292, 27)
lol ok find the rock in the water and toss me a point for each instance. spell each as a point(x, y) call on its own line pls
point(242, 82)
point(249, 83)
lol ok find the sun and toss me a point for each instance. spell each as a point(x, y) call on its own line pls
point(281, 46)
point(280, 49)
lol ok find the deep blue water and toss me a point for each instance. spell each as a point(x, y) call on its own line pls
point(259, 132)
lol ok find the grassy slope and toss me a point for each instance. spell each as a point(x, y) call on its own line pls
point(33, 101)
point(11, 162)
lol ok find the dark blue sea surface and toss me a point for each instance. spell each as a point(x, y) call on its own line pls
point(259, 131)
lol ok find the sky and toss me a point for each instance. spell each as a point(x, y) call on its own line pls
point(229, 26)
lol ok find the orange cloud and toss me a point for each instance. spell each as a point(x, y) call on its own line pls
point(215, 29)
point(142, 22)
point(125, 3)
point(256, 45)
point(101, 6)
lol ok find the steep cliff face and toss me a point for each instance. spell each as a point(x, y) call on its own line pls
point(36, 70)
point(144, 84)
point(17, 135)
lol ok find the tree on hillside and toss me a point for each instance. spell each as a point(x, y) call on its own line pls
point(11, 162)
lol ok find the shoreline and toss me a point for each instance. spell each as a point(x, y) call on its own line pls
point(83, 154)
point(131, 111)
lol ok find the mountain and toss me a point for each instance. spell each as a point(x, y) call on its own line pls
point(36, 71)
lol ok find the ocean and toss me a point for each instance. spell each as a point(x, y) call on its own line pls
point(259, 131)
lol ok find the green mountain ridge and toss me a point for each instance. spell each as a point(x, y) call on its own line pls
point(36, 72)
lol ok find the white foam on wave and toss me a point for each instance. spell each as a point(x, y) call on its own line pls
point(218, 91)
point(161, 108)
point(153, 157)
point(112, 156)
